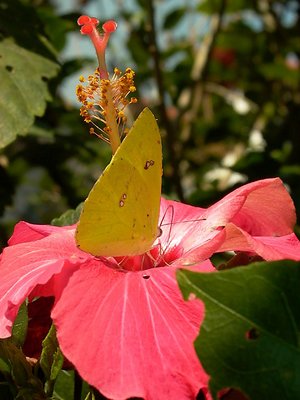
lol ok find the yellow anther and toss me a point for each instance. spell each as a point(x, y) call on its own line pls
point(96, 96)
point(117, 71)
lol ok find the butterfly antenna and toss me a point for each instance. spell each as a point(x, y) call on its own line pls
point(163, 249)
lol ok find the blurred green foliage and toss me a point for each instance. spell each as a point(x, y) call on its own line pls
point(221, 77)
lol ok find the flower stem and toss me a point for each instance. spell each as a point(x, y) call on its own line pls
point(113, 132)
point(89, 27)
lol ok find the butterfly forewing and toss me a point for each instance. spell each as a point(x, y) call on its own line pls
point(120, 215)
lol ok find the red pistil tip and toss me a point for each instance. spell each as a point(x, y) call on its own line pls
point(109, 26)
point(87, 29)
point(85, 19)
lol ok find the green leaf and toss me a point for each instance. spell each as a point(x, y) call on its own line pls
point(90, 396)
point(210, 6)
point(174, 18)
point(70, 217)
point(58, 360)
point(18, 373)
point(51, 360)
point(19, 330)
point(4, 366)
point(290, 170)
point(64, 386)
point(249, 339)
point(24, 90)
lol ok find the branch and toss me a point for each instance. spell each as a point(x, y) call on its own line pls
point(191, 101)
point(170, 133)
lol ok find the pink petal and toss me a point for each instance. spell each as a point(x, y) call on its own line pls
point(287, 246)
point(193, 230)
point(26, 265)
point(268, 208)
point(131, 334)
point(195, 233)
point(25, 232)
point(267, 247)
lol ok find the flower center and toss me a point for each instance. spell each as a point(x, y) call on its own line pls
point(104, 98)
point(154, 258)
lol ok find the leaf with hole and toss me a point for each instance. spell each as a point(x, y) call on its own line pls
point(249, 339)
point(24, 90)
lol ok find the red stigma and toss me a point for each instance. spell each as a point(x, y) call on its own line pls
point(94, 21)
point(109, 26)
point(85, 19)
point(100, 40)
point(87, 29)
point(88, 24)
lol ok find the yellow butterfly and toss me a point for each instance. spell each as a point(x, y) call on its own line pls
point(120, 215)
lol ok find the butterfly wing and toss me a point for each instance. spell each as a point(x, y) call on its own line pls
point(120, 215)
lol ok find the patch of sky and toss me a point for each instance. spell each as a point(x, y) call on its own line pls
point(287, 13)
point(252, 19)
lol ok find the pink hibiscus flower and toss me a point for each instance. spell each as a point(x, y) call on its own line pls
point(122, 322)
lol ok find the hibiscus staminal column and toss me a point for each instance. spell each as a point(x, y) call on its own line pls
point(104, 98)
